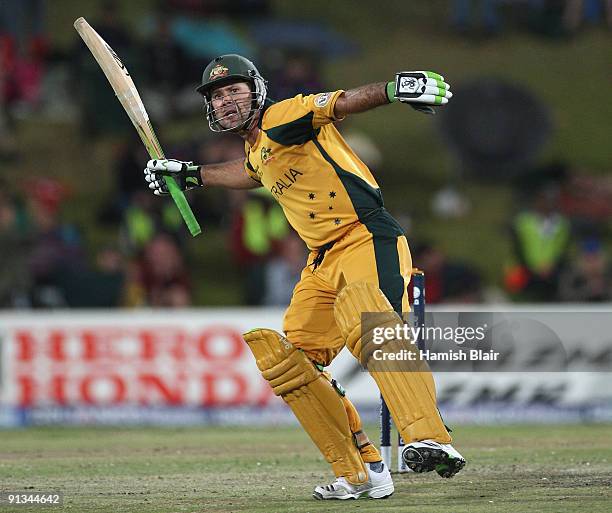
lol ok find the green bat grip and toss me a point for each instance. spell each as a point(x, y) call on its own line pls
point(183, 206)
point(155, 152)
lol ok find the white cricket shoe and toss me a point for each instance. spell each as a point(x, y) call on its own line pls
point(378, 486)
point(427, 455)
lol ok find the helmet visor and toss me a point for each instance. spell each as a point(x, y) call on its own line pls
point(231, 107)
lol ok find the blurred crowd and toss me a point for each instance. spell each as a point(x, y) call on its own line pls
point(549, 18)
point(560, 237)
point(560, 247)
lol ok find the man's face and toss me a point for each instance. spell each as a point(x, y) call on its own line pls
point(232, 104)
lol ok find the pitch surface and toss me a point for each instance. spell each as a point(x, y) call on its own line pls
point(510, 468)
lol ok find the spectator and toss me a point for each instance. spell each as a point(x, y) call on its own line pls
point(56, 246)
point(100, 287)
point(578, 12)
point(144, 217)
point(162, 275)
point(22, 52)
point(165, 66)
point(589, 276)
point(216, 206)
point(447, 281)
point(541, 237)
point(257, 226)
point(283, 271)
point(101, 113)
point(547, 17)
point(7, 139)
point(24, 20)
point(211, 8)
point(476, 16)
point(14, 241)
point(556, 18)
point(297, 75)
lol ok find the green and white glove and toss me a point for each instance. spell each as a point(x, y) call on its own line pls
point(422, 90)
point(186, 174)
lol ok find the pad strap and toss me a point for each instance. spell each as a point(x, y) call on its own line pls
point(361, 439)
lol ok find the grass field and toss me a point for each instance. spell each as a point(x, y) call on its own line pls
point(510, 468)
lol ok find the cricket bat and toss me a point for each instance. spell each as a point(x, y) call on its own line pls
point(123, 85)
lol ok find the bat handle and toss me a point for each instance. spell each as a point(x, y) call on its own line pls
point(183, 206)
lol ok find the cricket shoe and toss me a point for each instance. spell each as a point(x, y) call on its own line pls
point(378, 486)
point(427, 455)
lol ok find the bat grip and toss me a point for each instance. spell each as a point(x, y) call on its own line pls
point(183, 206)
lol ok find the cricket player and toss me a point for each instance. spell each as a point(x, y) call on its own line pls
point(359, 262)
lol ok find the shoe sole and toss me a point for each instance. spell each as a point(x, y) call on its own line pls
point(425, 459)
point(381, 492)
point(378, 492)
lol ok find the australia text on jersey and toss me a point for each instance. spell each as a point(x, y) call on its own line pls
point(284, 182)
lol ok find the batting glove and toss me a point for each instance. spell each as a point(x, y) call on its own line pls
point(186, 175)
point(422, 90)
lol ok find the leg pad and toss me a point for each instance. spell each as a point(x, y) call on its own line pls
point(312, 398)
point(410, 395)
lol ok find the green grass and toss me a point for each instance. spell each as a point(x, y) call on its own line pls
point(510, 468)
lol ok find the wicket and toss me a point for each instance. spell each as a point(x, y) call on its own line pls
point(418, 306)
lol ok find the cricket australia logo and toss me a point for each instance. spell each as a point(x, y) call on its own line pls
point(266, 155)
point(218, 71)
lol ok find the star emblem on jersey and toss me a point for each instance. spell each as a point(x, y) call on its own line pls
point(311, 196)
point(312, 215)
point(332, 194)
point(337, 220)
point(218, 71)
point(330, 207)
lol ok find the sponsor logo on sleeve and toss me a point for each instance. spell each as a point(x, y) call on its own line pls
point(322, 99)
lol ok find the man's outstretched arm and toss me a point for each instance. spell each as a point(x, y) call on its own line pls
point(230, 174)
point(421, 89)
point(361, 99)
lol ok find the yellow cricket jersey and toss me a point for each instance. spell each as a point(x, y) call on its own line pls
point(322, 186)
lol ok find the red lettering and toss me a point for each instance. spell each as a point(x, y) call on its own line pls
point(152, 384)
point(148, 348)
point(177, 342)
point(58, 389)
point(26, 390)
point(27, 344)
point(93, 344)
point(56, 348)
point(90, 395)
